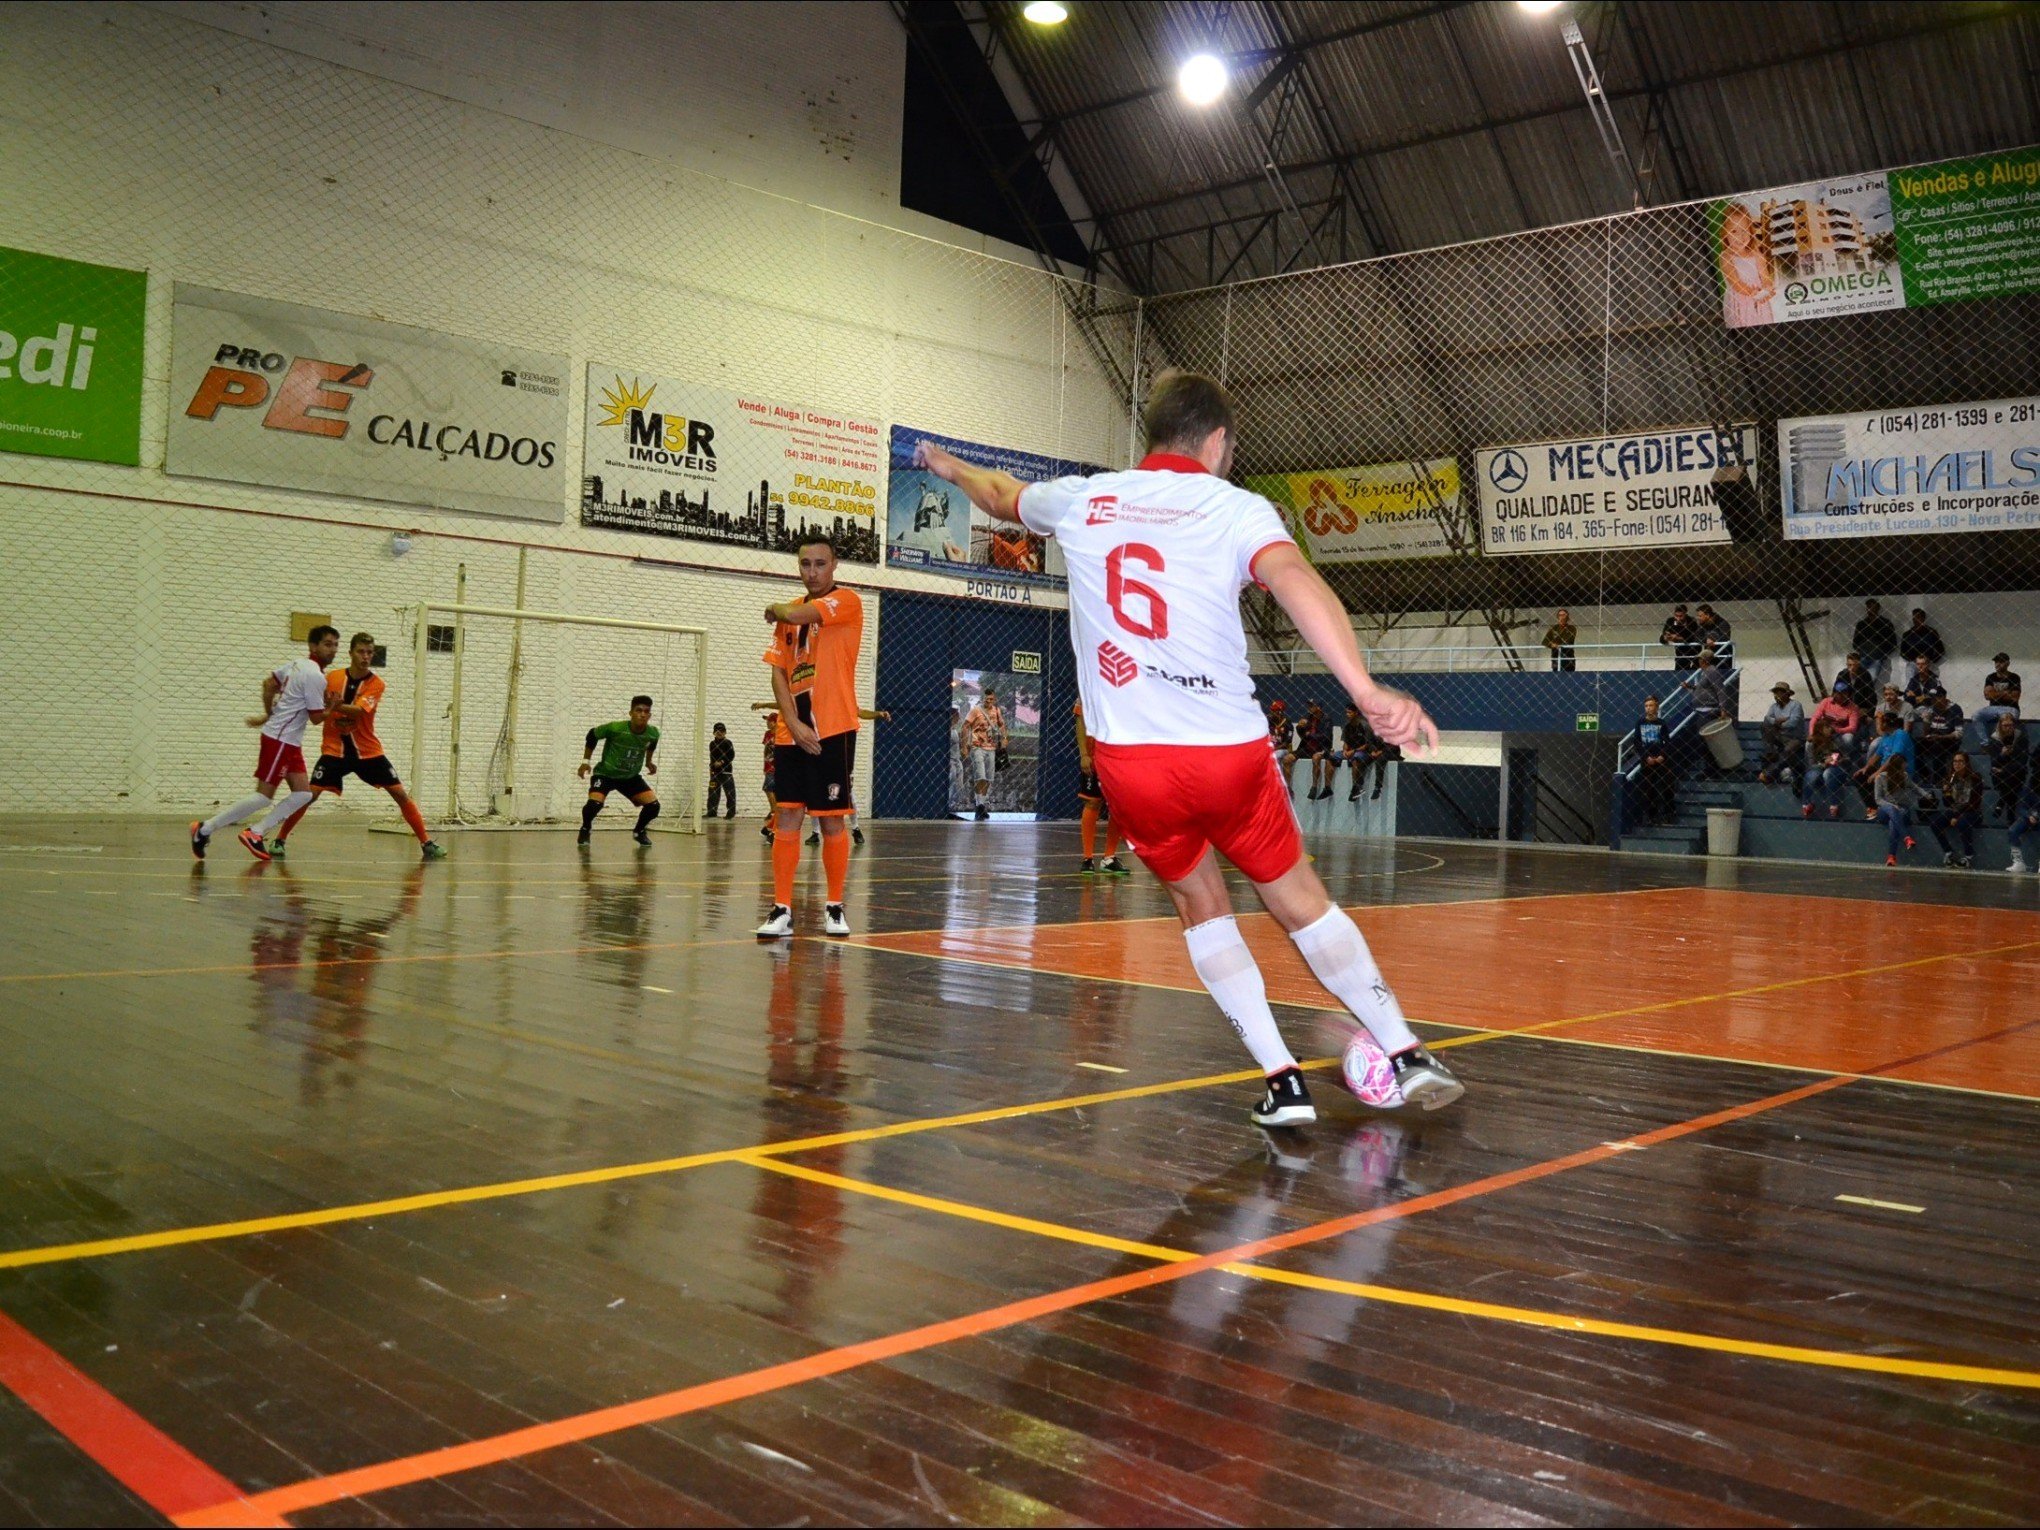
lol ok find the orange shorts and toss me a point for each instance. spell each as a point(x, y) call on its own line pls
point(1173, 802)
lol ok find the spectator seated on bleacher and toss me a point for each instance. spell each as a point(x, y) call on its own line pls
point(1361, 747)
point(1859, 682)
point(1314, 743)
point(1920, 641)
point(1937, 729)
point(1839, 710)
point(2000, 694)
point(1919, 685)
point(1827, 768)
point(1897, 799)
point(1960, 811)
point(1654, 750)
point(1784, 730)
point(1891, 743)
point(2011, 762)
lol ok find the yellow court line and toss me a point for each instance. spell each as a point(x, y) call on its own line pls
point(1397, 1296)
point(431, 1200)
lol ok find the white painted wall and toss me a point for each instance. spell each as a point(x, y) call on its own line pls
point(535, 175)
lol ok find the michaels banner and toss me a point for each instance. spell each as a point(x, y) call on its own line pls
point(299, 398)
point(1912, 472)
point(1600, 493)
point(673, 459)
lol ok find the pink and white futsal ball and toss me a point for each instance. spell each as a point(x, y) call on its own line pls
point(1366, 1070)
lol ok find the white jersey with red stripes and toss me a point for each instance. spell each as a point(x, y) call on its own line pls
point(300, 691)
point(1157, 556)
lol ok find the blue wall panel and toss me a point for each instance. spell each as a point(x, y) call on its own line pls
point(1531, 702)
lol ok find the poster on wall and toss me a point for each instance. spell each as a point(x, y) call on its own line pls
point(1607, 493)
point(995, 744)
point(1912, 472)
point(70, 358)
point(1369, 514)
point(673, 459)
point(931, 526)
point(290, 397)
point(1941, 233)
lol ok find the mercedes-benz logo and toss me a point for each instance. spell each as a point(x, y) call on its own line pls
point(1507, 470)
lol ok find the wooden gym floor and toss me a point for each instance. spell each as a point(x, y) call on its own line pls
point(527, 1188)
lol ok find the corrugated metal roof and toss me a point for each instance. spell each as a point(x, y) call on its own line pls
point(1457, 121)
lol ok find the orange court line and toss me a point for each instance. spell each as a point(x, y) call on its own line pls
point(261, 1508)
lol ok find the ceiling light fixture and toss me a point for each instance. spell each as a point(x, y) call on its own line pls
point(1202, 79)
point(1046, 13)
point(1538, 7)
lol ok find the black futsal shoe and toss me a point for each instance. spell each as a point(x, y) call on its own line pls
point(856, 836)
point(815, 838)
point(1287, 1102)
point(1424, 1080)
point(643, 837)
point(984, 815)
point(581, 838)
point(199, 839)
point(1089, 868)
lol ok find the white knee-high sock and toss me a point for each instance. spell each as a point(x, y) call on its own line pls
point(226, 818)
point(289, 805)
point(1338, 954)
point(1227, 970)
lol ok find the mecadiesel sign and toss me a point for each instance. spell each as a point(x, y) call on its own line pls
point(301, 398)
point(1651, 489)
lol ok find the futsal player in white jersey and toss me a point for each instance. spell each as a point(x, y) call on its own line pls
point(1157, 556)
point(293, 694)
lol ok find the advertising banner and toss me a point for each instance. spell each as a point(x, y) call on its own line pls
point(1912, 472)
point(70, 358)
point(301, 398)
point(1605, 493)
point(1368, 514)
point(672, 459)
point(931, 526)
point(1939, 233)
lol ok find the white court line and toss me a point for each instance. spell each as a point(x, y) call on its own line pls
point(1864, 1200)
point(1100, 1067)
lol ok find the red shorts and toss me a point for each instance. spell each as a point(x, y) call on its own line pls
point(277, 760)
point(1173, 802)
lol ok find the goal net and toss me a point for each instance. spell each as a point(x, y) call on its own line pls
point(502, 701)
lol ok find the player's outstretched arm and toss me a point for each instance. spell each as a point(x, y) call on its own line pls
point(994, 492)
point(1321, 618)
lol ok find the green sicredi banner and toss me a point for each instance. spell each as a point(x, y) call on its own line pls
point(1968, 228)
point(70, 358)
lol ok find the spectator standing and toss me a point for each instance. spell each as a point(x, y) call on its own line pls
point(1784, 729)
point(1876, 640)
point(1920, 641)
point(2011, 762)
point(1939, 735)
point(2000, 693)
point(1681, 634)
point(1827, 767)
point(1897, 800)
point(1919, 685)
point(1841, 711)
point(722, 772)
point(1715, 629)
point(1862, 685)
point(1654, 749)
point(1708, 689)
point(1960, 812)
point(1560, 637)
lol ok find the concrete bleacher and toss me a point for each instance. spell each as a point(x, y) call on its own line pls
point(1773, 827)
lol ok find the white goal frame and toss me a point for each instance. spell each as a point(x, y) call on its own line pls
point(697, 743)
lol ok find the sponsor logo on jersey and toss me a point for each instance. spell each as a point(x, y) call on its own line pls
point(1103, 508)
point(1116, 665)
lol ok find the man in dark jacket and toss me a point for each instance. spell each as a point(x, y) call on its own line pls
point(1876, 640)
point(1919, 641)
point(1714, 630)
point(1682, 636)
point(2011, 762)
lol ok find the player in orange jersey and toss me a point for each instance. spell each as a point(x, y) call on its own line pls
point(350, 747)
point(1092, 794)
point(813, 655)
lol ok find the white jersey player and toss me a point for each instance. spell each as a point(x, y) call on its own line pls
point(1157, 556)
point(293, 694)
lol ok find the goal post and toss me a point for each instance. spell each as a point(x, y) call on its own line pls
point(536, 698)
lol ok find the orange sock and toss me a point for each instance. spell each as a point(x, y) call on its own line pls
point(836, 863)
point(1090, 830)
point(415, 819)
point(785, 862)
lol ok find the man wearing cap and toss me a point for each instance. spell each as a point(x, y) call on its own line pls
point(1784, 736)
point(1876, 640)
point(1939, 733)
point(2000, 694)
point(1861, 683)
point(1840, 709)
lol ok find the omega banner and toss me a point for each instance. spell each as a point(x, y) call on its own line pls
point(1603, 493)
point(674, 459)
point(1912, 472)
point(300, 398)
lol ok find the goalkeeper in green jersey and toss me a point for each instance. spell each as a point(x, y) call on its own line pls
point(627, 749)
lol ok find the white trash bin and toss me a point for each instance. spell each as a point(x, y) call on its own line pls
point(1720, 738)
point(1724, 831)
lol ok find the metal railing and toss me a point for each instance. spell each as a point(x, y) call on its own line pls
point(1679, 707)
point(1529, 660)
